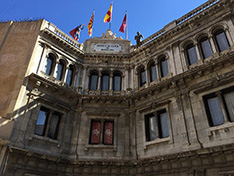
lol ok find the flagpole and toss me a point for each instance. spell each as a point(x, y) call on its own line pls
point(126, 33)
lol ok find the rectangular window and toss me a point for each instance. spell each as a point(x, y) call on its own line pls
point(156, 126)
point(206, 48)
point(108, 132)
point(47, 123)
point(229, 101)
point(142, 78)
point(95, 132)
point(222, 41)
point(164, 68)
point(102, 132)
point(192, 55)
point(117, 83)
point(150, 127)
point(41, 121)
point(214, 110)
point(153, 73)
point(163, 124)
point(220, 106)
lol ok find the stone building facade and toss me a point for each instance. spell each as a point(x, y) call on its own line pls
point(107, 107)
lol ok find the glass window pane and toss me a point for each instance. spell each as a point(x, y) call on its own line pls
point(95, 132)
point(41, 122)
point(48, 66)
point(164, 131)
point(142, 78)
point(59, 72)
point(222, 41)
point(192, 55)
point(164, 67)
point(117, 83)
point(153, 73)
point(93, 82)
point(215, 111)
point(152, 128)
point(206, 48)
point(69, 76)
point(229, 100)
point(53, 126)
point(105, 82)
point(108, 133)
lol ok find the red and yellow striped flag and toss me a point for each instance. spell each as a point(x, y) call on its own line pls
point(90, 25)
point(108, 15)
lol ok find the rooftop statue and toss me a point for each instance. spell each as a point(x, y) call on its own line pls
point(138, 39)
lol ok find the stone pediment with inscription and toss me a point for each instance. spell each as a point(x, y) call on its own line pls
point(106, 44)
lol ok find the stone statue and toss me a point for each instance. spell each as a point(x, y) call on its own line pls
point(138, 39)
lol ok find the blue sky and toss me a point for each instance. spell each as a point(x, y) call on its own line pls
point(146, 16)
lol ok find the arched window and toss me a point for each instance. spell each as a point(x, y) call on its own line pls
point(60, 71)
point(93, 81)
point(105, 81)
point(117, 81)
point(70, 75)
point(49, 64)
point(205, 47)
point(142, 77)
point(163, 66)
point(191, 54)
point(152, 71)
point(221, 40)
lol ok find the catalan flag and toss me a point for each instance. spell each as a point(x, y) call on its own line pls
point(108, 14)
point(90, 25)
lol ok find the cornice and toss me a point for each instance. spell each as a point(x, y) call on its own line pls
point(72, 46)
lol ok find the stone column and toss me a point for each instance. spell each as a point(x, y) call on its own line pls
point(99, 81)
point(229, 38)
point(64, 78)
point(197, 51)
point(210, 36)
point(146, 76)
point(55, 68)
point(42, 58)
point(126, 78)
point(83, 82)
point(122, 82)
point(77, 80)
point(111, 82)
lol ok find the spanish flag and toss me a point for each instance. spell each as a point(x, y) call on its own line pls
point(108, 15)
point(90, 25)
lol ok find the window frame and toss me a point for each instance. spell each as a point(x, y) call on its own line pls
point(102, 132)
point(162, 60)
point(223, 105)
point(202, 49)
point(218, 32)
point(151, 65)
point(103, 84)
point(60, 72)
point(140, 78)
point(52, 58)
point(117, 74)
point(159, 137)
point(47, 122)
point(72, 75)
point(93, 73)
point(188, 56)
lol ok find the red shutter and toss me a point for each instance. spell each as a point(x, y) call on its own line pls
point(108, 132)
point(95, 133)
